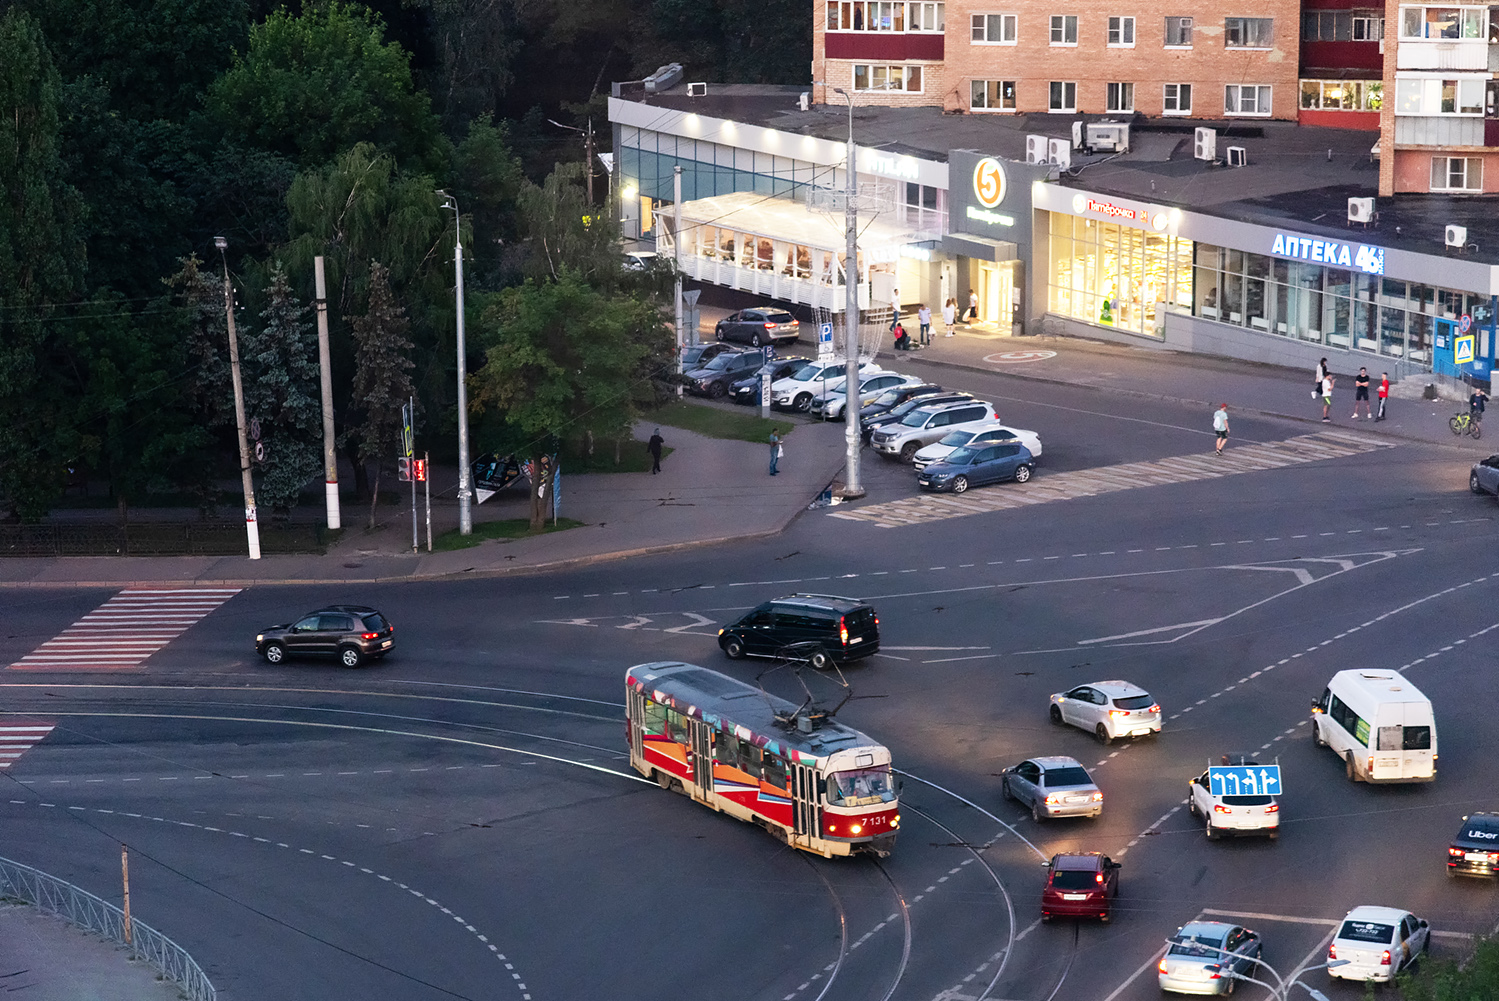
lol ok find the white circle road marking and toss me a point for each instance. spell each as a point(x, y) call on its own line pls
point(1015, 357)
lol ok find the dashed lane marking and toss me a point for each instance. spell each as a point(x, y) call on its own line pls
point(1109, 479)
point(123, 632)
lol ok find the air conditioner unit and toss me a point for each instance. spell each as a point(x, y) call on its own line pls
point(1077, 136)
point(1112, 137)
point(1457, 236)
point(1361, 210)
point(1035, 149)
point(1059, 152)
point(1238, 156)
point(1205, 144)
point(664, 79)
point(803, 100)
point(697, 90)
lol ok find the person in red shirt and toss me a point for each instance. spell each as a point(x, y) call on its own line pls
point(1384, 393)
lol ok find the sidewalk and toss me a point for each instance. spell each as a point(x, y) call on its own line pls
point(43, 958)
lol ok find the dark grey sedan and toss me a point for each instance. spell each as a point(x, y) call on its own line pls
point(1052, 787)
point(714, 378)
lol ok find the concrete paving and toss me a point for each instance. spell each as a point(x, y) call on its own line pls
point(43, 958)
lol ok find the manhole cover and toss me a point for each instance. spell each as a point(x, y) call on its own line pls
point(1016, 357)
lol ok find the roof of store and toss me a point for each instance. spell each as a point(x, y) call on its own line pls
point(1296, 174)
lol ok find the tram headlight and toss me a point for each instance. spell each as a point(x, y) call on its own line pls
point(856, 829)
point(895, 821)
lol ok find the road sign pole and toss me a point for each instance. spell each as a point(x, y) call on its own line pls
point(765, 385)
point(410, 434)
point(427, 484)
point(325, 365)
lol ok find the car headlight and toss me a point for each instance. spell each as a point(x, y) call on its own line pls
point(260, 637)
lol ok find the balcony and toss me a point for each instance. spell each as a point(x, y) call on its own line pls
point(1438, 130)
point(891, 45)
point(1457, 54)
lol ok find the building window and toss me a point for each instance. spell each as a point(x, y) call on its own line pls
point(1368, 29)
point(992, 95)
point(1115, 275)
point(995, 29)
point(881, 77)
point(1179, 32)
point(880, 15)
point(1463, 96)
point(1063, 96)
point(1122, 32)
point(1064, 29)
point(1442, 22)
point(1340, 26)
point(1176, 99)
point(1456, 173)
point(1248, 32)
point(1246, 99)
point(1121, 97)
point(1342, 95)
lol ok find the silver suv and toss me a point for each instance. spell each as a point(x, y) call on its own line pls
point(925, 425)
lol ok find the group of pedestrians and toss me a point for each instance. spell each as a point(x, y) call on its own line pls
point(1323, 383)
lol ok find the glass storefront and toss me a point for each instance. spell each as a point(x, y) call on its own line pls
point(1116, 275)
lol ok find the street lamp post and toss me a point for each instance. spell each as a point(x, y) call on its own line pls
point(252, 526)
point(852, 487)
point(1281, 989)
point(465, 472)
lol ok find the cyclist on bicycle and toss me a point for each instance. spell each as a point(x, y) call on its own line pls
point(1476, 404)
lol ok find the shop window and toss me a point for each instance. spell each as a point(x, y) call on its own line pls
point(1456, 173)
point(1442, 23)
point(1240, 99)
point(1121, 97)
point(1122, 32)
point(1115, 275)
point(1176, 99)
point(1064, 29)
point(995, 29)
point(1179, 32)
point(1248, 32)
point(992, 95)
point(1063, 96)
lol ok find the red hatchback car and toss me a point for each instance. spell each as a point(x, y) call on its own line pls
point(1079, 885)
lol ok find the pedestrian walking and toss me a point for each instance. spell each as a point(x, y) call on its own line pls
point(973, 305)
point(775, 452)
point(1384, 394)
point(1326, 399)
point(1320, 376)
point(1361, 393)
point(924, 317)
point(654, 447)
point(1220, 426)
point(949, 314)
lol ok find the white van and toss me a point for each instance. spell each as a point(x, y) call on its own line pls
point(1379, 724)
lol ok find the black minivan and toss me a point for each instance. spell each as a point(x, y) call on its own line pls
point(836, 630)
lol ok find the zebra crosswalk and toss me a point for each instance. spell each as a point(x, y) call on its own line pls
point(924, 508)
point(128, 628)
point(17, 737)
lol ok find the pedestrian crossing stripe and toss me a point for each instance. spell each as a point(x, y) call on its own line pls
point(17, 738)
point(123, 632)
point(924, 508)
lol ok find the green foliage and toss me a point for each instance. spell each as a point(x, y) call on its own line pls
point(382, 385)
point(1477, 979)
point(280, 375)
point(563, 232)
point(718, 422)
point(486, 178)
point(314, 84)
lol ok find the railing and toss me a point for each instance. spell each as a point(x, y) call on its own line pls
point(84, 910)
point(208, 538)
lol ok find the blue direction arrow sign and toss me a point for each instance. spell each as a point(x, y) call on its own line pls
point(1245, 780)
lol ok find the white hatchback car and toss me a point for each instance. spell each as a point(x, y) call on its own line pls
point(1375, 943)
point(976, 436)
point(1230, 815)
point(1108, 709)
point(795, 391)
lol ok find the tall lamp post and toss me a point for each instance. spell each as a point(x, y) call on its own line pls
point(1281, 989)
point(252, 527)
point(465, 473)
point(853, 487)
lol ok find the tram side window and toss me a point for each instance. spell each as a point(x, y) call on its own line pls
point(749, 758)
point(774, 771)
point(676, 726)
point(653, 717)
point(726, 749)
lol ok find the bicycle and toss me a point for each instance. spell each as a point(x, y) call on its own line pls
point(1466, 424)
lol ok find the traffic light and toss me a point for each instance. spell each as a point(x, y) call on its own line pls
point(403, 464)
point(419, 470)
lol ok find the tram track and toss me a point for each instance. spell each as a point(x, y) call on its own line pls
point(905, 914)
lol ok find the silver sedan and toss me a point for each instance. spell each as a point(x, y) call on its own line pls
point(1052, 787)
point(1203, 957)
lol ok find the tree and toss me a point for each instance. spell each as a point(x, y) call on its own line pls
point(486, 178)
point(563, 359)
point(313, 85)
point(282, 392)
point(563, 232)
point(207, 391)
point(382, 357)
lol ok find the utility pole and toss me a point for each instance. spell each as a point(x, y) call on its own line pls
point(676, 256)
point(465, 471)
point(252, 527)
point(408, 441)
point(330, 455)
point(125, 876)
point(588, 159)
point(852, 487)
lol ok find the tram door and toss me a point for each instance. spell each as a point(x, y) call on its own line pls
point(635, 715)
point(702, 759)
point(807, 793)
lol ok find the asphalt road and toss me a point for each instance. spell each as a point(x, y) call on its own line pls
point(459, 821)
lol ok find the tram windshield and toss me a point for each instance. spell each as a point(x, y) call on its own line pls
point(860, 787)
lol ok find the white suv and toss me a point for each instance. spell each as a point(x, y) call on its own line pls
point(981, 436)
point(797, 390)
point(925, 425)
point(1226, 815)
point(832, 402)
point(1108, 709)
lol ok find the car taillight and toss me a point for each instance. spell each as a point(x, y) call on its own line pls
point(1155, 708)
point(1220, 808)
point(1098, 877)
point(1162, 965)
point(1369, 765)
point(1384, 958)
point(1273, 808)
point(1117, 713)
point(1098, 797)
point(1053, 799)
point(368, 636)
point(1332, 951)
point(769, 325)
point(1455, 852)
point(843, 631)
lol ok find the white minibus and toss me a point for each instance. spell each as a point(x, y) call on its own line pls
point(1379, 724)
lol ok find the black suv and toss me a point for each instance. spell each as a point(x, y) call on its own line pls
point(746, 389)
point(764, 325)
point(1475, 850)
point(352, 633)
point(822, 629)
point(714, 378)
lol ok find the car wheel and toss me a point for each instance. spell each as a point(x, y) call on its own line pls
point(1473, 483)
point(803, 402)
point(350, 656)
point(1045, 918)
point(1102, 733)
point(1317, 740)
point(960, 484)
point(1036, 814)
point(908, 451)
point(1056, 715)
point(1022, 473)
point(1004, 790)
point(754, 340)
point(820, 660)
point(734, 648)
point(1273, 835)
point(1348, 768)
point(1103, 918)
point(274, 653)
point(1231, 985)
point(717, 389)
point(718, 333)
point(1211, 831)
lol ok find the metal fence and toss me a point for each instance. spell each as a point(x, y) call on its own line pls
point(85, 910)
point(204, 538)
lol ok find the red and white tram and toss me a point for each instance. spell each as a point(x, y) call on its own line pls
point(812, 782)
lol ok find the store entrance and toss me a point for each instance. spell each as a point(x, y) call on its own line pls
point(996, 288)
